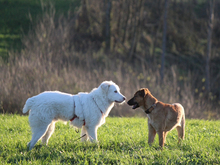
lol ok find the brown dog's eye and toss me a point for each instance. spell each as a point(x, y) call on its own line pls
point(116, 91)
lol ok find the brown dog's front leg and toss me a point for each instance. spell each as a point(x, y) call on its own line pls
point(151, 134)
point(162, 138)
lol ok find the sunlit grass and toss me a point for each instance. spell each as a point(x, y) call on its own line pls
point(121, 140)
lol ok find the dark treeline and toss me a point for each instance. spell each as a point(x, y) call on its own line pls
point(133, 30)
point(123, 41)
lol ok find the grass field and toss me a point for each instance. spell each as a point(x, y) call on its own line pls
point(121, 141)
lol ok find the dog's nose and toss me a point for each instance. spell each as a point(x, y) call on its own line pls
point(129, 102)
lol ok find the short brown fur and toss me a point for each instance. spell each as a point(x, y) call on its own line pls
point(162, 117)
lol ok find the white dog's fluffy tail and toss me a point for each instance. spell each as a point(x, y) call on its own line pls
point(27, 105)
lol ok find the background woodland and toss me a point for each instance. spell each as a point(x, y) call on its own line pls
point(172, 47)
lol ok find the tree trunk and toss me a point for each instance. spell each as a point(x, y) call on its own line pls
point(118, 26)
point(126, 21)
point(164, 40)
point(209, 44)
point(108, 26)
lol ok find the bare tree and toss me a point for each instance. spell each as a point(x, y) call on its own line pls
point(84, 17)
point(138, 8)
point(164, 39)
point(209, 43)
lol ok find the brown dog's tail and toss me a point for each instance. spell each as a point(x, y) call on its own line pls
point(183, 126)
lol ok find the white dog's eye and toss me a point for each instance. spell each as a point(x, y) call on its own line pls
point(116, 91)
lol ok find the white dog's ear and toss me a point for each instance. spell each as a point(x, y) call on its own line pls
point(105, 86)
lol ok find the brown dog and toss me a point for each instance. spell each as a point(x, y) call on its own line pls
point(162, 117)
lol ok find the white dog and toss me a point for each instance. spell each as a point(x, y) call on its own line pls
point(85, 110)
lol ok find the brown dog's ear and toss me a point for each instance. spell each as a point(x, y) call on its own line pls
point(143, 92)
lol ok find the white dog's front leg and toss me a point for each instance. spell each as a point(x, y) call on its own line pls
point(84, 132)
point(92, 133)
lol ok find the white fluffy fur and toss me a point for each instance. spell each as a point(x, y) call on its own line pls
point(51, 106)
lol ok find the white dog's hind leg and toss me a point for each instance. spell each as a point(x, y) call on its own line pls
point(92, 133)
point(48, 133)
point(84, 131)
point(38, 132)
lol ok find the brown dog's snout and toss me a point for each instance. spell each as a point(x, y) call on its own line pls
point(133, 102)
point(130, 102)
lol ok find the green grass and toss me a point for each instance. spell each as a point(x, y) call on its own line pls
point(121, 141)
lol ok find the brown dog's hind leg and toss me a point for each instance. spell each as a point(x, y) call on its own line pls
point(180, 131)
point(151, 134)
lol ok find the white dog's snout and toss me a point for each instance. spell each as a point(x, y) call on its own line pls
point(122, 99)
